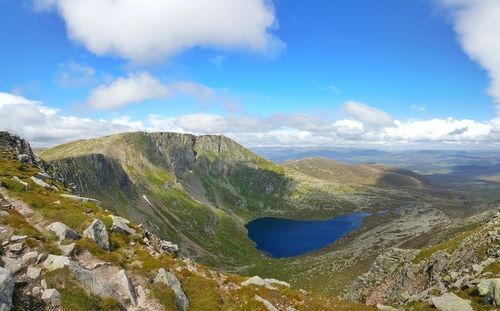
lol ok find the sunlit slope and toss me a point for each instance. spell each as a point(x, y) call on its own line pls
point(362, 174)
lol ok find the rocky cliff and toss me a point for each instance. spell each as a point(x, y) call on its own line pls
point(460, 273)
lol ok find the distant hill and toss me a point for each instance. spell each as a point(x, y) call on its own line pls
point(378, 175)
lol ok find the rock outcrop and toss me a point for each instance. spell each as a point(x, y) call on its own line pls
point(169, 279)
point(62, 231)
point(124, 286)
point(121, 225)
point(6, 289)
point(451, 302)
point(97, 232)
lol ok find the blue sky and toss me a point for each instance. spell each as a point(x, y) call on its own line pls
point(323, 72)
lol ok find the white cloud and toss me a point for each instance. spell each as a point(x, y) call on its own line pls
point(369, 116)
point(477, 24)
point(45, 126)
point(152, 30)
point(72, 74)
point(140, 87)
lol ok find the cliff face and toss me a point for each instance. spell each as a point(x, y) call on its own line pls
point(108, 176)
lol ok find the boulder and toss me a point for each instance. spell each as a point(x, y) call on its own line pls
point(124, 286)
point(30, 258)
point(6, 288)
point(95, 284)
point(169, 279)
point(121, 225)
point(169, 247)
point(451, 302)
point(385, 308)
point(18, 238)
point(52, 298)
point(80, 199)
point(41, 183)
point(277, 282)
point(67, 249)
point(16, 248)
point(269, 306)
point(54, 262)
point(98, 233)
point(62, 231)
point(12, 264)
point(33, 272)
point(258, 281)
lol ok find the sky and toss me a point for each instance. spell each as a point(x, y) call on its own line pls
point(385, 73)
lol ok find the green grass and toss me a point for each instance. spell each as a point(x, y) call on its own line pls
point(203, 293)
point(164, 295)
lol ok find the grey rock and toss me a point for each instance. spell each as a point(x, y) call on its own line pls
point(16, 248)
point(12, 264)
point(80, 199)
point(268, 305)
point(54, 262)
point(121, 225)
point(52, 298)
point(95, 284)
point(18, 238)
point(29, 258)
point(41, 183)
point(386, 308)
point(98, 233)
point(124, 286)
point(451, 302)
point(62, 231)
point(169, 279)
point(33, 272)
point(67, 249)
point(6, 288)
point(258, 281)
point(169, 247)
point(36, 291)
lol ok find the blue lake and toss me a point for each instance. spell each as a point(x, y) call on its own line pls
point(281, 238)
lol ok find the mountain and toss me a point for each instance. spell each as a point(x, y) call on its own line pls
point(200, 191)
point(65, 252)
point(378, 175)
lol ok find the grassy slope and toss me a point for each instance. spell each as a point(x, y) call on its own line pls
point(361, 174)
point(204, 190)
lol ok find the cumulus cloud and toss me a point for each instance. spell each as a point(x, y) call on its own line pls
point(45, 126)
point(369, 116)
point(477, 24)
point(284, 130)
point(140, 87)
point(152, 30)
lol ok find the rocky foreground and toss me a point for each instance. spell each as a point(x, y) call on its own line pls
point(462, 273)
point(60, 251)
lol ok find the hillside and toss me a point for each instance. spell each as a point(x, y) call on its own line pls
point(200, 191)
point(377, 175)
point(65, 252)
